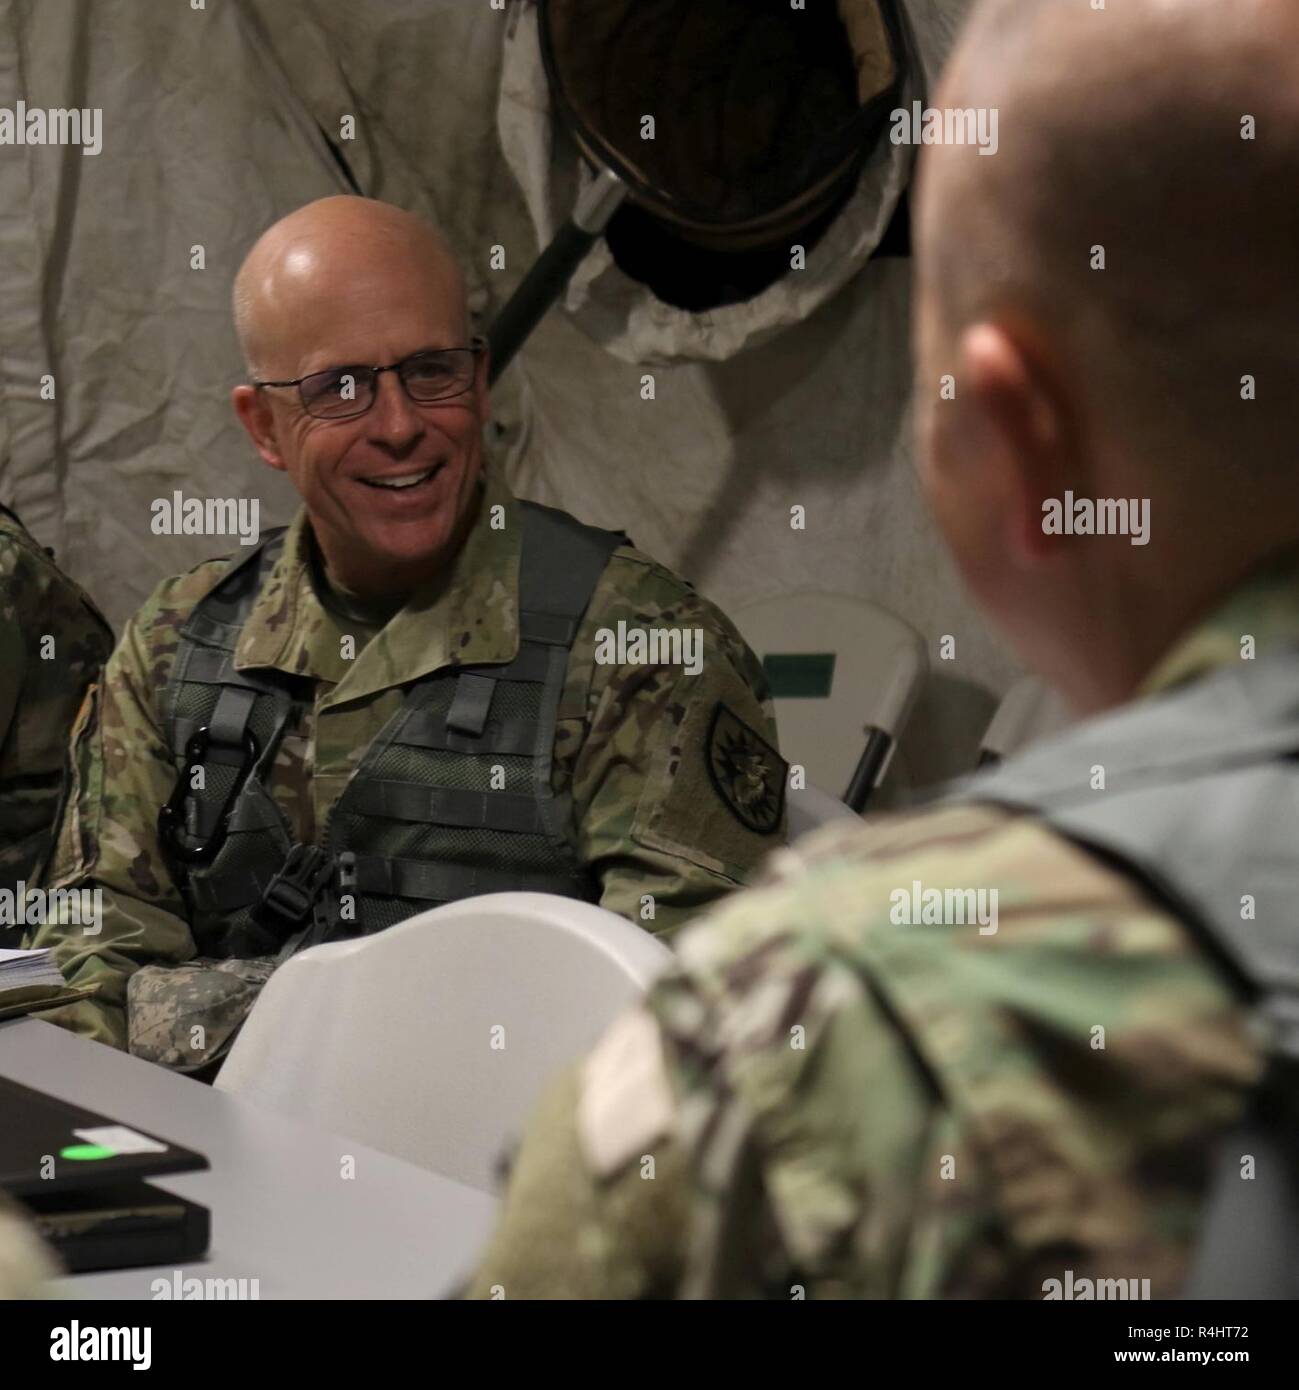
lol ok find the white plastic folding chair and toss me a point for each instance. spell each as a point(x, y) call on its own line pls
point(1028, 711)
point(807, 808)
point(433, 1040)
point(844, 674)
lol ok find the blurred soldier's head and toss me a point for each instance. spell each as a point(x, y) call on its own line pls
point(1114, 294)
point(387, 463)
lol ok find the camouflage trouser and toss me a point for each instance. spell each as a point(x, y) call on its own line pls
point(186, 1017)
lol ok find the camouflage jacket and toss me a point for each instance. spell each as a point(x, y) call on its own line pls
point(817, 1102)
point(53, 643)
point(632, 744)
point(27, 1264)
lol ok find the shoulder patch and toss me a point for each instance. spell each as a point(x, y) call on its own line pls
point(746, 772)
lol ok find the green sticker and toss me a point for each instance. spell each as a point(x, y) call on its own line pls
point(86, 1151)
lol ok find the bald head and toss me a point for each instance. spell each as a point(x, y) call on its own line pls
point(388, 463)
point(307, 256)
point(1123, 136)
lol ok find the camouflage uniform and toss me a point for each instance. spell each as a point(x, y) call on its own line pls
point(53, 643)
point(818, 1102)
point(632, 747)
point(27, 1264)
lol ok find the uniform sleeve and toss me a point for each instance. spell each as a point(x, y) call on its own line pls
point(12, 659)
point(27, 1264)
point(566, 1233)
point(703, 1149)
point(108, 843)
point(677, 783)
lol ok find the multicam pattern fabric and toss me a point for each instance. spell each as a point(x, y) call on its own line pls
point(53, 643)
point(27, 1264)
point(825, 1099)
point(630, 742)
point(187, 1016)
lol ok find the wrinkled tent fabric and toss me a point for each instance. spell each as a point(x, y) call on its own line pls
point(115, 273)
point(624, 316)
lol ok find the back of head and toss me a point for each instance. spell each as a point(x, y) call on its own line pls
point(1142, 202)
point(1134, 241)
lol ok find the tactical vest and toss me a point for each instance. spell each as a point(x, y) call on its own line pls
point(1201, 805)
point(419, 822)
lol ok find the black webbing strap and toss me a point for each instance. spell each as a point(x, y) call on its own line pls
point(561, 564)
point(471, 703)
point(408, 801)
point(433, 883)
point(507, 736)
point(234, 708)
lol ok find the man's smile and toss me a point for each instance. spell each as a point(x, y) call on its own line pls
point(403, 482)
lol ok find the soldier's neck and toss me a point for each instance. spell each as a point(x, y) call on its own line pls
point(371, 610)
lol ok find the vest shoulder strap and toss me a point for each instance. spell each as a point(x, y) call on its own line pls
point(218, 617)
point(1196, 795)
point(562, 562)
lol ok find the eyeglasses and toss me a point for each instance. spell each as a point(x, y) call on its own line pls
point(341, 393)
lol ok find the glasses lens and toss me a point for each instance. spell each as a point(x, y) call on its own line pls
point(436, 376)
point(339, 392)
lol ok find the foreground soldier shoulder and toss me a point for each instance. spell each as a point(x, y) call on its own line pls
point(839, 1101)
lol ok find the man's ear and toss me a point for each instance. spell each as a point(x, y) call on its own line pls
point(1011, 387)
point(254, 412)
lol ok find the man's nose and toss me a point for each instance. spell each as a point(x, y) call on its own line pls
point(393, 419)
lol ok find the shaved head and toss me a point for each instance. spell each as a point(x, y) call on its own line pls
point(333, 291)
point(1163, 136)
point(1111, 297)
point(305, 254)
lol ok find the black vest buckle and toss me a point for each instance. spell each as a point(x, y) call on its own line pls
point(292, 893)
point(171, 818)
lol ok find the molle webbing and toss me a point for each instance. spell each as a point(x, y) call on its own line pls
point(451, 799)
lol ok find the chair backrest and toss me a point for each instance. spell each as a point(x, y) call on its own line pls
point(1029, 711)
point(810, 807)
point(839, 666)
point(433, 1040)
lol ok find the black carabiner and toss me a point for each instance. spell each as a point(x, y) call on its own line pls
point(171, 818)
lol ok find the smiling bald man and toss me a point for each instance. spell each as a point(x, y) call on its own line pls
point(402, 700)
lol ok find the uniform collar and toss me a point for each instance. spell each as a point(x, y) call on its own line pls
point(1264, 607)
point(469, 614)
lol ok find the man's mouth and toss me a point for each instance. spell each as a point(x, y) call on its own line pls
point(403, 482)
